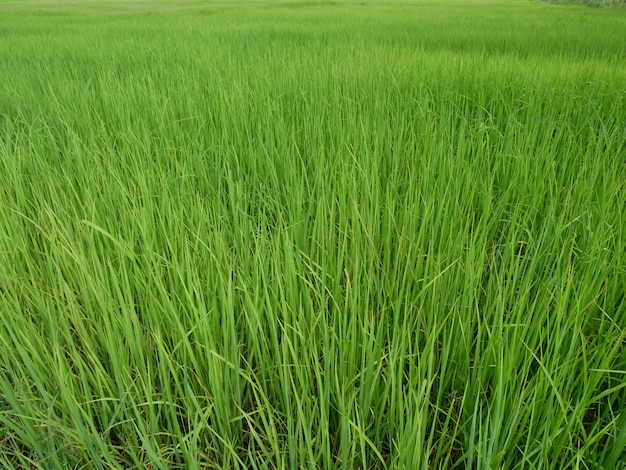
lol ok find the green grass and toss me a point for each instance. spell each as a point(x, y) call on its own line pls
point(312, 235)
point(593, 3)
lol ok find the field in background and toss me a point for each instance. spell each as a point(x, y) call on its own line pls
point(593, 3)
point(312, 235)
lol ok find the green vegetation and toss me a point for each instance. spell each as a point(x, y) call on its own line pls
point(593, 3)
point(312, 235)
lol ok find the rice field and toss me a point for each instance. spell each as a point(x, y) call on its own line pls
point(312, 234)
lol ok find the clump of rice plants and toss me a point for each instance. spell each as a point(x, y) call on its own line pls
point(312, 235)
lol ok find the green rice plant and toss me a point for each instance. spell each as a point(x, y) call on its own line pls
point(312, 235)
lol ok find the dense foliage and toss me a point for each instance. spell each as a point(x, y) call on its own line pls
point(300, 235)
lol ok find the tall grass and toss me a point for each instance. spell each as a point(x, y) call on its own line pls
point(341, 235)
